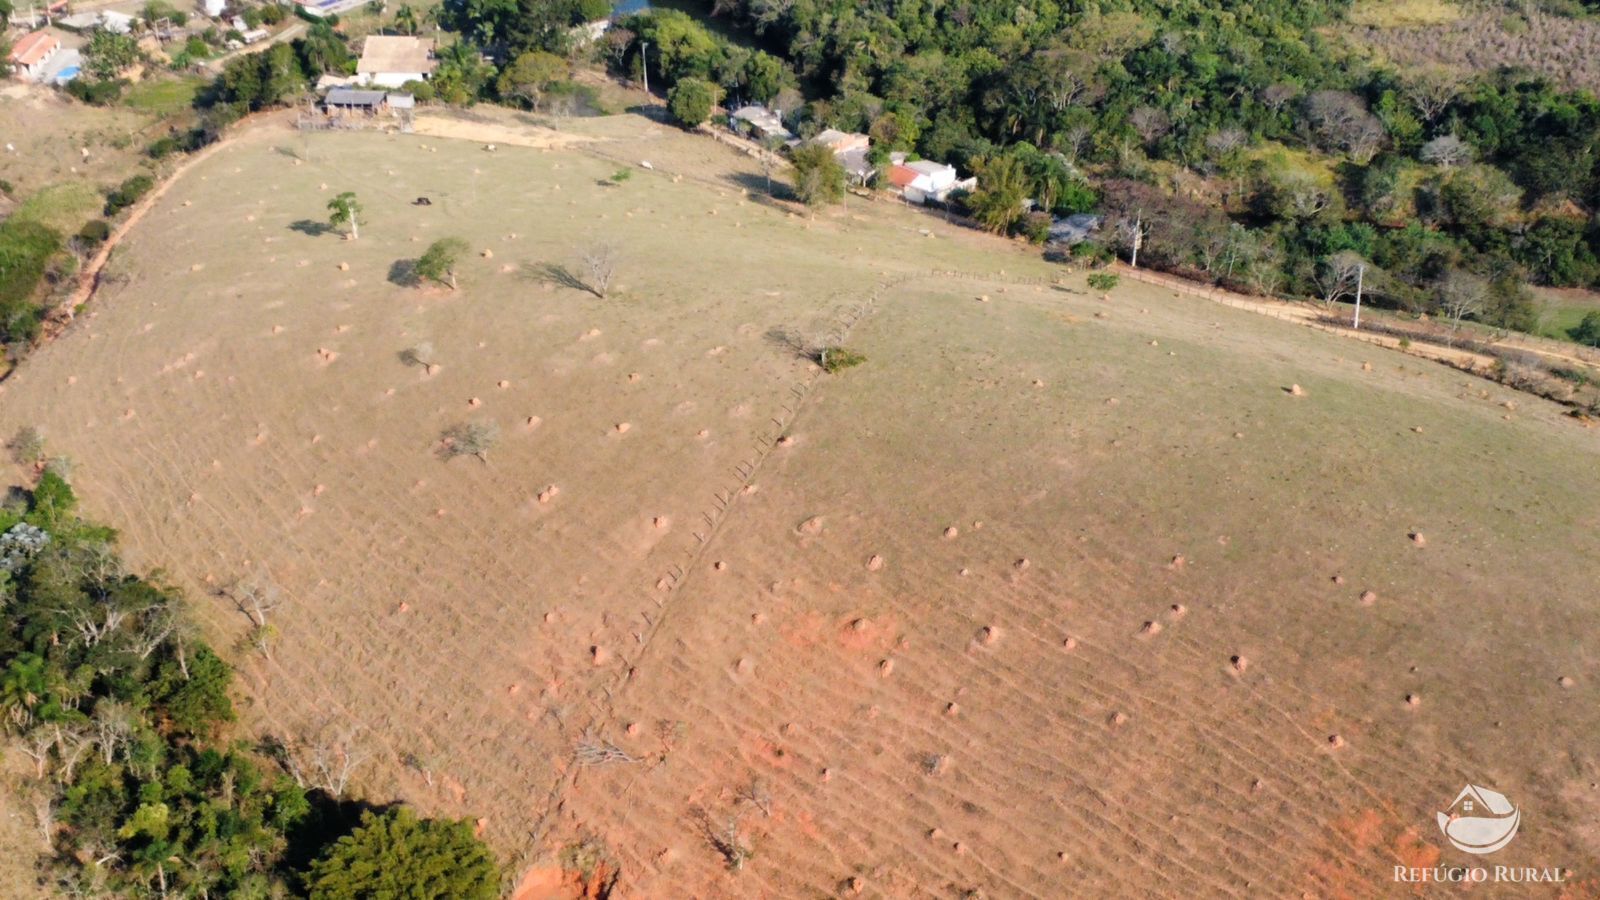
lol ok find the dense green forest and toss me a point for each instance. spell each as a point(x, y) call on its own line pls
point(125, 713)
point(1246, 141)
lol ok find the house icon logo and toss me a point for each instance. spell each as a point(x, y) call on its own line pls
point(1480, 820)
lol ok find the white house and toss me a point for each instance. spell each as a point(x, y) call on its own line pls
point(923, 180)
point(393, 60)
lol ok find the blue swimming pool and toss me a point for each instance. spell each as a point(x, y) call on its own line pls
point(67, 74)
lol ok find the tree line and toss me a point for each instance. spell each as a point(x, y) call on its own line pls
point(144, 786)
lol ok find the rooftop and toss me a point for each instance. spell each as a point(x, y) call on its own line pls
point(347, 97)
point(928, 167)
point(396, 53)
point(33, 48)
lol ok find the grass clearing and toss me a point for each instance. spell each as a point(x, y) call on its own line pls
point(1567, 309)
point(1403, 13)
point(1028, 537)
point(164, 96)
point(62, 207)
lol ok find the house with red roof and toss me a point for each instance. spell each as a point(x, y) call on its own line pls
point(31, 52)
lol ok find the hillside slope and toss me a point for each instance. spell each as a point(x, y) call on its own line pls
point(1055, 593)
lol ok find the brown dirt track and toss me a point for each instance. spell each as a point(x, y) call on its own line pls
point(920, 725)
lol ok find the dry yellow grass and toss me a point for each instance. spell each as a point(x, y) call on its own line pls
point(891, 624)
point(1403, 13)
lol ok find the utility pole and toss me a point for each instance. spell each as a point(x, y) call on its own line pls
point(1361, 274)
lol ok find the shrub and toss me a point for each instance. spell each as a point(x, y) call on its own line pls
point(163, 147)
point(128, 193)
point(469, 439)
point(1104, 282)
point(1036, 227)
point(94, 232)
point(27, 446)
point(96, 91)
point(1588, 330)
point(837, 359)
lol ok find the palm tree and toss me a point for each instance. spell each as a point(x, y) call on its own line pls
point(405, 19)
point(22, 686)
point(344, 210)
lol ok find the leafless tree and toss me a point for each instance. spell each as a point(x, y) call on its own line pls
point(1277, 96)
point(1342, 121)
point(726, 839)
point(326, 761)
point(114, 724)
point(255, 596)
point(424, 765)
point(1152, 124)
point(1298, 195)
point(44, 815)
point(1446, 151)
point(1338, 275)
point(420, 354)
point(469, 439)
point(1073, 140)
point(1226, 140)
point(1461, 294)
point(27, 446)
point(757, 794)
point(599, 265)
point(335, 757)
point(1432, 90)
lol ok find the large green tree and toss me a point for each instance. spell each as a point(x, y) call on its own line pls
point(819, 179)
point(438, 263)
point(530, 76)
point(691, 100)
point(395, 854)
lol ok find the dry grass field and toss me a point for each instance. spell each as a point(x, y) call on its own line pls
point(1056, 595)
point(1480, 37)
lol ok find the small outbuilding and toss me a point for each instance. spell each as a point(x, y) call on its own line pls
point(346, 101)
point(760, 122)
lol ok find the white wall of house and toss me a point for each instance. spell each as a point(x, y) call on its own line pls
point(393, 79)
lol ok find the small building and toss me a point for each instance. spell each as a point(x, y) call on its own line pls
point(347, 102)
point(923, 180)
point(116, 22)
point(254, 35)
point(393, 60)
point(110, 20)
point(31, 54)
point(856, 165)
point(760, 122)
point(321, 9)
point(215, 8)
point(842, 141)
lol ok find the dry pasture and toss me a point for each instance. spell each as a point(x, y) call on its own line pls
point(1053, 596)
